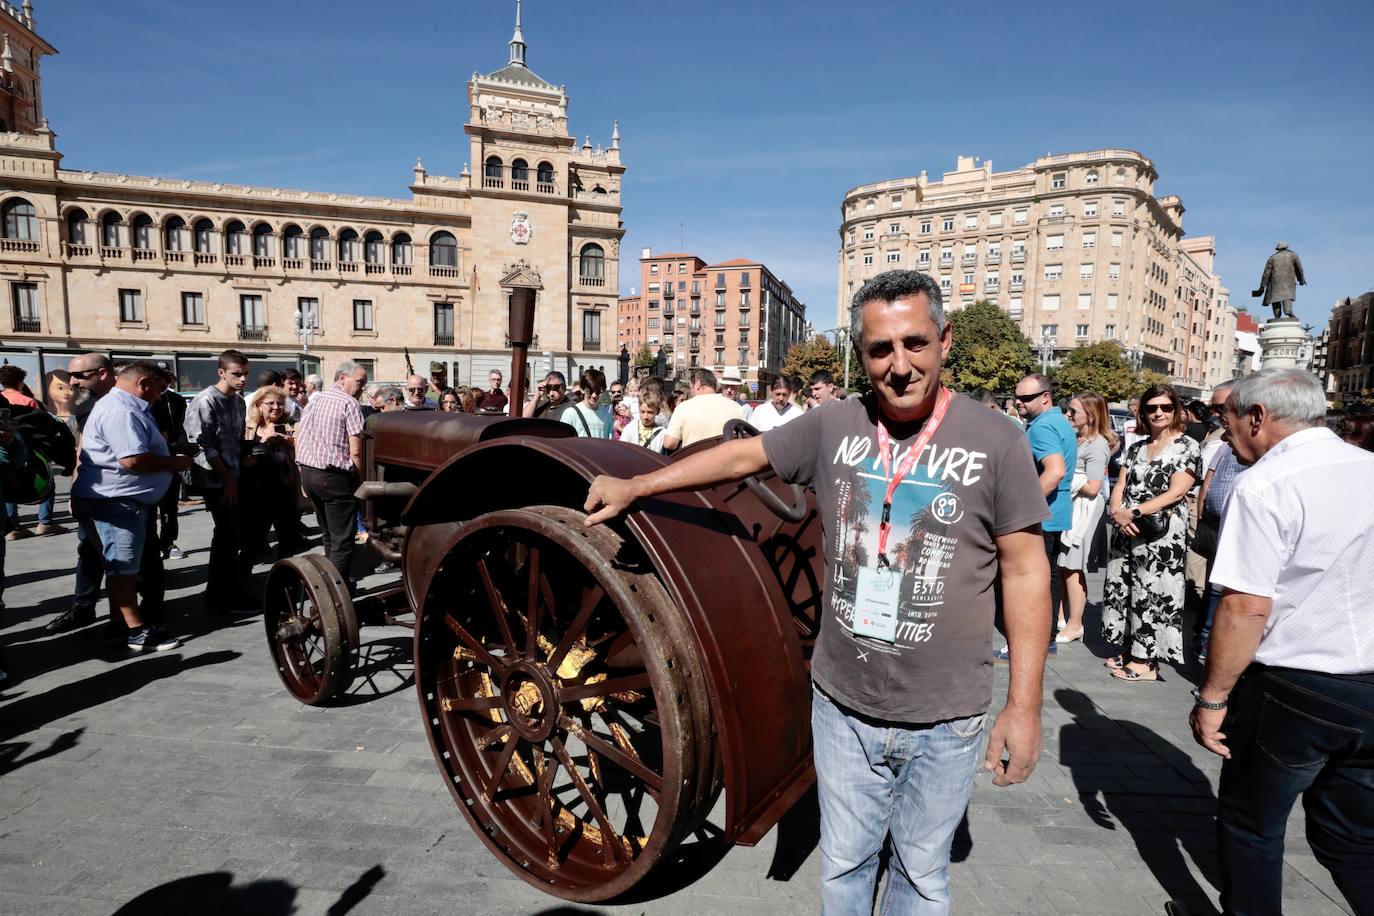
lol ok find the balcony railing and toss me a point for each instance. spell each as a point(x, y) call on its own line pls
point(1018, 257)
point(348, 267)
point(293, 263)
point(24, 324)
point(592, 281)
point(319, 266)
point(174, 257)
point(546, 187)
point(111, 252)
point(442, 339)
point(18, 244)
point(204, 257)
point(235, 260)
point(492, 181)
point(970, 258)
point(374, 268)
point(518, 184)
point(401, 270)
point(591, 343)
point(264, 263)
point(253, 332)
point(438, 270)
point(993, 258)
point(144, 254)
point(76, 250)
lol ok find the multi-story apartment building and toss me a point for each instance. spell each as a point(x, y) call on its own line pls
point(1075, 247)
point(1204, 320)
point(1248, 352)
point(1350, 347)
point(733, 315)
point(180, 269)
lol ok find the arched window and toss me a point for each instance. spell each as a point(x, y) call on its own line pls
point(293, 242)
point(235, 241)
point(21, 220)
point(400, 250)
point(1091, 177)
point(143, 232)
point(443, 250)
point(174, 234)
point(598, 190)
point(591, 264)
point(374, 248)
point(544, 176)
point(493, 172)
point(262, 240)
point(520, 175)
point(203, 236)
point(76, 226)
point(348, 246)
point(109, 229)
point(1121, 176)
point(319, 244)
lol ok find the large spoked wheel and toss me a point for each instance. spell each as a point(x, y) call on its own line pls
point(741, 429)
point(312, 629)
point(565, 701)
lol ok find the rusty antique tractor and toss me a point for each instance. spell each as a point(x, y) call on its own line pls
point(588, 693)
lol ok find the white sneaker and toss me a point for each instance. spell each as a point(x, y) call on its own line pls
point(174, 553)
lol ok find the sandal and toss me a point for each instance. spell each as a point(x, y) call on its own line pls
point(1064, 636)
point(1114, 663)
point(1130, 674)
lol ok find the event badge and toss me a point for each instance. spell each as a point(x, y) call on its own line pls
point(875, 603)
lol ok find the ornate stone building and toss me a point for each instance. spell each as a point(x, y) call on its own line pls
point(180, 269)
point(1075, 247)
point(1350, 348)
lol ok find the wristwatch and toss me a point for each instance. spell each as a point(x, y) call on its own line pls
point(1200, 703)
point(1135, 513)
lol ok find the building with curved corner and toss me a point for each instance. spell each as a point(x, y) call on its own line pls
point(1076, 248)
point(178, 269)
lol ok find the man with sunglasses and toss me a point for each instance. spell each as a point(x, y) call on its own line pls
point(550, 397)
point(416, 389)
point(1055, 448)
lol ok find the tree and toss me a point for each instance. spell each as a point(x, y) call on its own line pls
point(988, 351)
point(1101, 367)
point(644, 356)
point(1149, 378)
point(808, 356)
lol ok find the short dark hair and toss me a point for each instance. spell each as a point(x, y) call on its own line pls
point(556, 375)
point(984, 397)
point(824, 376)
point(889, 286)
point(291, 375)
point(142, 368)
point(782, 381)
point(12, 376)
point(705, 378)
point(592, 381)
point(232, 358)
point(269, 378)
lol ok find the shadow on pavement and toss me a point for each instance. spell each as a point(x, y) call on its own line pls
point(1161, 832)
point(9, 753)
point(681, 867)
point(216, 893)
point(33, 712)
point(962, 846)
point(384, 667)
point(799, 833)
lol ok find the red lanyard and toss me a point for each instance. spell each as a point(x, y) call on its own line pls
point(904, 468)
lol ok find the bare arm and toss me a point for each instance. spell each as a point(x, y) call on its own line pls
point(1179, 485)
point(671, 443)
point(1051, 472)
point(612, 496)
point(1202, 493)
point(148, 463)
point(1025, 575)
point(1236, 634)
point(1090, 489)
point(355, 454)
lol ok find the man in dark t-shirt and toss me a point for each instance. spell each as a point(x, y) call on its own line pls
point(927, 501)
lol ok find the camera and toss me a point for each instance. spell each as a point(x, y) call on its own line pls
point(279, 428)
point(189, 449)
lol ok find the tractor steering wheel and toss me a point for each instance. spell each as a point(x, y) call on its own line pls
point(740, 429)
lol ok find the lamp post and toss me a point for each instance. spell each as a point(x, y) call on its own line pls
point(305, 329)
point(1047, 341)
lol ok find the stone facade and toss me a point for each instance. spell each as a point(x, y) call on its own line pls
point(736, 315)
point(180, 269)
point(1076, 248)
point(1350, 348)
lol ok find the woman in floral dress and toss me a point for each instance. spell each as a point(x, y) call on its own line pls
point(1143, 600)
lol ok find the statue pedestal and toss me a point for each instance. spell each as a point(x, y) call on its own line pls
point(1282, 343)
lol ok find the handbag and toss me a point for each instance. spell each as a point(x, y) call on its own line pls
point(1150, 527)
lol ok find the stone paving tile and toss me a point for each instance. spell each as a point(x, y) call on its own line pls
point(125, 777)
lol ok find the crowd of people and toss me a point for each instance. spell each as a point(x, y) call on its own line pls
point(1235, 513)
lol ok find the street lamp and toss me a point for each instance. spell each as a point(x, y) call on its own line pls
point(305, 329)
point(1047, 341)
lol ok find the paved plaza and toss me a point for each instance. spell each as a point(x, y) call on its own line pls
point(190, 780)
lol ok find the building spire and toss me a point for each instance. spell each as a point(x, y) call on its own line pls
point(7, 56)
point(517, 41)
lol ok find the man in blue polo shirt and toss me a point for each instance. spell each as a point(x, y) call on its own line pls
point(1055, 448)
point(124, 470)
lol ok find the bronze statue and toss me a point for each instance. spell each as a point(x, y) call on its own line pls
point(1279, 284)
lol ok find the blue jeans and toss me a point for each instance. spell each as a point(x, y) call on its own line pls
point(1213, 599)
point(1297, 733)
point(876, 781)
point(119, 527)
point(44, 510)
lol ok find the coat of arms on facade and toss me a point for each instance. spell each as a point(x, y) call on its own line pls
point(520, 229)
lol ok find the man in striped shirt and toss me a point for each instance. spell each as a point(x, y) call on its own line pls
point(329, 452)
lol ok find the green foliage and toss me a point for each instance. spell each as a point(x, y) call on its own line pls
point(988, 350)
point(812, 355)
point(1102, 368)
point(644, 356)
point(1150, 377)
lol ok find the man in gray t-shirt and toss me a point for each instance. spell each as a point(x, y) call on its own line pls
point(915, 548)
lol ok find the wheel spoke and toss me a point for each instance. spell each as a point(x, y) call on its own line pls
point(590, 599)
point(610, 840)
point(628, 762)
point(495, 735)
point(548, 817)
point(534, 610)
point(502, 765)
point(605, 688)
point(473, 643)
point(471, 704)
point(498, 605)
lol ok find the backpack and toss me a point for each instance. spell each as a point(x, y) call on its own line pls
point(29, 483)
point(46, 435)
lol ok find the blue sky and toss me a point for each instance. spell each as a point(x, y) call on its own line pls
point(743, 123)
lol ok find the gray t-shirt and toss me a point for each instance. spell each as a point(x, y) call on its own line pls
point(1092, 458)
point(974, 482)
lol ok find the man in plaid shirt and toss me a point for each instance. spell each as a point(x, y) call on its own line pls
point(329, 451)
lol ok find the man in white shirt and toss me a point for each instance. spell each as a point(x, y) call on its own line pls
point(1288, 697)
point(777, 411)
point(703, 415)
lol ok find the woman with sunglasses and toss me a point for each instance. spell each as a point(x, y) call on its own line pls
point(1143, 598)
point(1087, 414)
